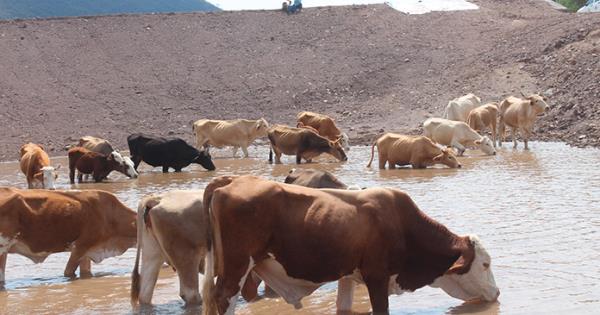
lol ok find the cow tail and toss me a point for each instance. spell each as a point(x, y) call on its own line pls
point(135, 275)
point(142, 218)
point(271, 148)
point(372, 152)
point(213, 245)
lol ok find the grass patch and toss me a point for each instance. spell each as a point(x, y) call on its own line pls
point(572, 5)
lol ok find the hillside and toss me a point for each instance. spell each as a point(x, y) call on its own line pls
point(370, 67)
point(25, 9)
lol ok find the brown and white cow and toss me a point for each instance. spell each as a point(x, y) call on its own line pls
point(417, 151)
point(96, 144)
point(91, 224)
point(236, 133)
point(313, 178)
point(456, 134)
point(325, 126)
point(172, 228)
point(302, 143)
point(483, 117)
point(297, 238)
point(35, 164)
point(521, 114)
point(459, 108)
point(97, 164)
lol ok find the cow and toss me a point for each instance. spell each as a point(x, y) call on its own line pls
point(417, 151)
point(325, 126)
point(301, 125)
point(169, 152)
point(459, 108)
point(456, 134)
point(313, 178)
point(237, 133)
point(483, 117)
point(97, 164)
point(302, 143)
point(100, 145)
point(172, 228)
point(296, 239)
point(96, 144)
point(520, 113)
point(35, 164)
point(91, 224)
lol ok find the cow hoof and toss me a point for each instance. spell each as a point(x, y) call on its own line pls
point(85, 275)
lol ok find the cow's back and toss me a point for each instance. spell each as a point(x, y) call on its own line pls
point(96, 144)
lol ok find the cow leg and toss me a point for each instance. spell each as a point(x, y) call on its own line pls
point(165, 169)
point(234, 151)
point(85, 267)
point(152, 260)
point(513, 132)
point(382, 160)
point(298, 158)
point(493, 127)
point(188, 278)
point(378, 294)
point(74, 260)
point(228, 288)
point(525, 135)
point(345, 294)
point(245, 150)
point(461, 149)
point(136, 161)
point(2, 268)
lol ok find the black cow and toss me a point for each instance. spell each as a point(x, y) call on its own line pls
point(166, 152)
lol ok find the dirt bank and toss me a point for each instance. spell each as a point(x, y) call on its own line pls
point(370, 67)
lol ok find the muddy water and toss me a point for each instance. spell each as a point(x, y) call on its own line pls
point(537, 212)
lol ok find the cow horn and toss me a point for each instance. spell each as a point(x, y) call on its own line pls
point(522, 94)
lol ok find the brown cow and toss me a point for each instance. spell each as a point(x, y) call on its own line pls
point(302, 143)
point(236, 133)
point(483, 117)
point(91, 224)
point(297, 238)
point(325, 126)
point(96, 144)
point(520, 114)
point(35, 164)
point(97, 164)
point(172, 228)
point(417, 151)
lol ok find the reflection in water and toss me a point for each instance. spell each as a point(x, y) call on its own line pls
point(536, 211)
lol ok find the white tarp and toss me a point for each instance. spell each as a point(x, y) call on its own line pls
point(407, 6)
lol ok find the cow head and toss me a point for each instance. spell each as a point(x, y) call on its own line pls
point(46, 176)
point(344, 141)
point(538, 103)
point(125, 164)
point(205, 160)
point(335, 149)
point(447, 158)
point(470, 277)
point(486, 145)
point(261, 127)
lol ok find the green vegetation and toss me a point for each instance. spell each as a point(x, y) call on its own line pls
point(572, 5)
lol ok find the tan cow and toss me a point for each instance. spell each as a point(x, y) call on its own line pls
point(301, 142)
point(172, 228)
point(483, 117)
point(91, 224)
point(237, 133)
point(35, 164)
point(417, 151)
point(297, 238)
point(96, 144)
point(456, 134)
point(519, 113)
point(325, 126)
point(459, 108)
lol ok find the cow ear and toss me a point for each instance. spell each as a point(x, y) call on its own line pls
point(477, 141)
point(439, 157)
point(463, 264)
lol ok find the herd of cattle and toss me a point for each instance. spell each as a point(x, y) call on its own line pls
point(242, 230)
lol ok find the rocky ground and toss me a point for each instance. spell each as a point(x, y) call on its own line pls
point(370, 67)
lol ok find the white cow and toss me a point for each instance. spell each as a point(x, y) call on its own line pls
point(236, 133)
point(459, 108)
point(456, 134)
